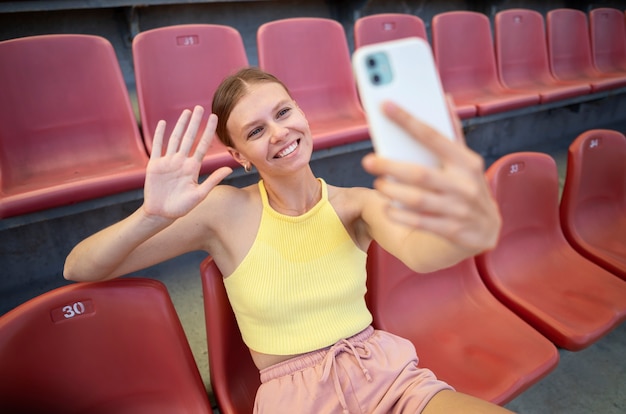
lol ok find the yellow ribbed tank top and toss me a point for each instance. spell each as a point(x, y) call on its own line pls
point(301, 286)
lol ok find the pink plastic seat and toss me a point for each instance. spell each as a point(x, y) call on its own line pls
point(459, 329)
point(311, 56)
point(465, 57)
point(569, 51)
point(608, 39)
point(522, 57)
point(179, 67)
point(108, 347)
point(534, 271)
point(593, 205)
point(234, 377)
point(391, 26)
point(384, 27)
point(68, 131)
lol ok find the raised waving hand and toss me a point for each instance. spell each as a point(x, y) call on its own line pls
point(172, 189)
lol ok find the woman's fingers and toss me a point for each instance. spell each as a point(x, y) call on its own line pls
point(157, 141)
point(402, 172)
point(192, 130)
point(184, 135)
point(445, 149)
point(207, 137)
point(214, 179)
point(177, 133)
point(442, 201)
point(452, 200)
point(456, 121)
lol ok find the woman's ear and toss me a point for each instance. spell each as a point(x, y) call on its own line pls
point(237, 156)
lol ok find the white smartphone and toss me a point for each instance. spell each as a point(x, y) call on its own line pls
point(404, 72)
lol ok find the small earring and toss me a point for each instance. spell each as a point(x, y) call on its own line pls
point(247, 168)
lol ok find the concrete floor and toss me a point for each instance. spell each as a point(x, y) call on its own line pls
point(585, 382)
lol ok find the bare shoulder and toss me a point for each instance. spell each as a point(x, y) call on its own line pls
point(226, 194)
point(348, 197)
point(352, 200)
point(226, 202)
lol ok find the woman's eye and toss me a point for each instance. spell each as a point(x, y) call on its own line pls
point(254, 132)
point(283, 112)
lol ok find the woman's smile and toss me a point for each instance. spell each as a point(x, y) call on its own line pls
point(288, 150)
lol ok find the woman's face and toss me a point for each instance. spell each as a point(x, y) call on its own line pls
point(269, 130)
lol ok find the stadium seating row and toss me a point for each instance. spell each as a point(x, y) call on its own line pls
point(489, 325)
point(69, 132)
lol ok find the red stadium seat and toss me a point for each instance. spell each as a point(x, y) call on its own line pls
point(234, 377)
point(593, 205)
point(569, 51)
point(384, 27)
point(178, 67)
point(68, 131)
point(522, 57)
point(311, 56)
point(465, 56)
point(107, 347)
point(534, 271)
point(607, 27)
point(460, 330)
point(391, 26)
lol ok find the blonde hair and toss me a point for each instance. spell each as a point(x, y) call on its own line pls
point(230, 92)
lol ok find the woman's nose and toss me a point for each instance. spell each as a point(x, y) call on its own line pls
point(279, 133)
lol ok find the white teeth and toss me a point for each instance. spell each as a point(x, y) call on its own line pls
point(288, 150)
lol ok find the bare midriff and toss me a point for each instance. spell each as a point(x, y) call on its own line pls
point(263, 361)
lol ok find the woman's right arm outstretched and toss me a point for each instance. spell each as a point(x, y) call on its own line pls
point(162, 227)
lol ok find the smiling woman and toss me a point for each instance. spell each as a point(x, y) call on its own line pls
point(292, 248)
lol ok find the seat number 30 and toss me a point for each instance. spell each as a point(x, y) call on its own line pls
point(70, 311)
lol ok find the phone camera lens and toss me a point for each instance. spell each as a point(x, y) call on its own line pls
point(376, 79)
point(371, 62)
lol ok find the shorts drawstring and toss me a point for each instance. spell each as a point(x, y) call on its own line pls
point(330, 364)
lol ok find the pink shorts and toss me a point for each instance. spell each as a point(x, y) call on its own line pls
point(371, 372)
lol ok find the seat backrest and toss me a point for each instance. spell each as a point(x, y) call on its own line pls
point(107, 347)
point(463, 48)
point(595, 182)
point(396, 294)
point(65, 112)
point(234, 377)
point(178, 67)
point(526, 187)
point(311, 57)
point(607, 27)
point(521, 48)
point(569, 46)
point(387, 26)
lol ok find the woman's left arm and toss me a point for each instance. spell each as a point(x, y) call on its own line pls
point(431, 218)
